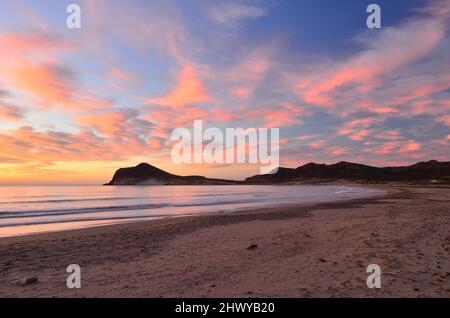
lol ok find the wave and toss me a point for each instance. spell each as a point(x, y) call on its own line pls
point(114, 198)
point(115, 208)
point(258, 198)
point(114, 218)
point(75, 200)
point(55, 212)
point(86, 207)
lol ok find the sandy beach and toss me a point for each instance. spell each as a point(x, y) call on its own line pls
point(320, 250)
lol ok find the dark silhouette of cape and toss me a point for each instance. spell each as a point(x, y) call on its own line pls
point(145, 174)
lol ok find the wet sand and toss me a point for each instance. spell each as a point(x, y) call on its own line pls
point(319, 250)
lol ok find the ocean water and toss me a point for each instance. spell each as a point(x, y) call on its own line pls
point(31, 210)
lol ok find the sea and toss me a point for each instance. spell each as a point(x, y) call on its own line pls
point(26, 210)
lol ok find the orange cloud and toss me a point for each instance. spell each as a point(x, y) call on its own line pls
point(30, 65)
point(48, 82)
point(28, 145)
point(109, 124)
point(16, 48)
point(53, 86)
point(189, 90)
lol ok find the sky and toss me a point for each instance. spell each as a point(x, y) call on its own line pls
point(76, 104)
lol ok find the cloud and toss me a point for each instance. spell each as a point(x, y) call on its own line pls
point(446, 120)
point(166, 34)
point(231, 13)
point(10, 112)
point(358, 129)
point(52, 84)
point(389, 135)
point(120, 75)
point(283, 116)
point(189, 90)
point(390, 51)
point(394, 147)
point(29, 145)
point(20, 46)
point(249, 72)
point(243, 92)
point(32, 66)
point(110, 123)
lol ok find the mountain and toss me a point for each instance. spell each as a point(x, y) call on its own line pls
point(145, 174)
point(431, 171)
point(423, 172)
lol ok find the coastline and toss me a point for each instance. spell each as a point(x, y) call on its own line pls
point(301, 251)
point(150, 203)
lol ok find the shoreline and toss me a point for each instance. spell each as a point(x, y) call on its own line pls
point(118, 260)
point(113, 223)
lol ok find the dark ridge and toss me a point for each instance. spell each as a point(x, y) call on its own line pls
point(425, 172)
point(430, 171)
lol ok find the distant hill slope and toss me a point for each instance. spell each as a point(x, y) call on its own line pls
point(145, 174)
point(425, 172)
point(431, 171)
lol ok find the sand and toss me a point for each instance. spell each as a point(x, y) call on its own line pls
point(320, 250)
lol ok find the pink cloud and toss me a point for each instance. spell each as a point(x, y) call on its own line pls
point(164, 37)
point(283, 116)
point(360, 135)
point(389, 135)
point(411, 145)
point(306, 137)
point(392, 50)
point(395, 147)
point(317, 144)
point(357, 129)
point(247, 74)
point(340, 151)
point(16, 48)
point(243, 92)
point(218, 114)
point(120, 75)
point(446, 120)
